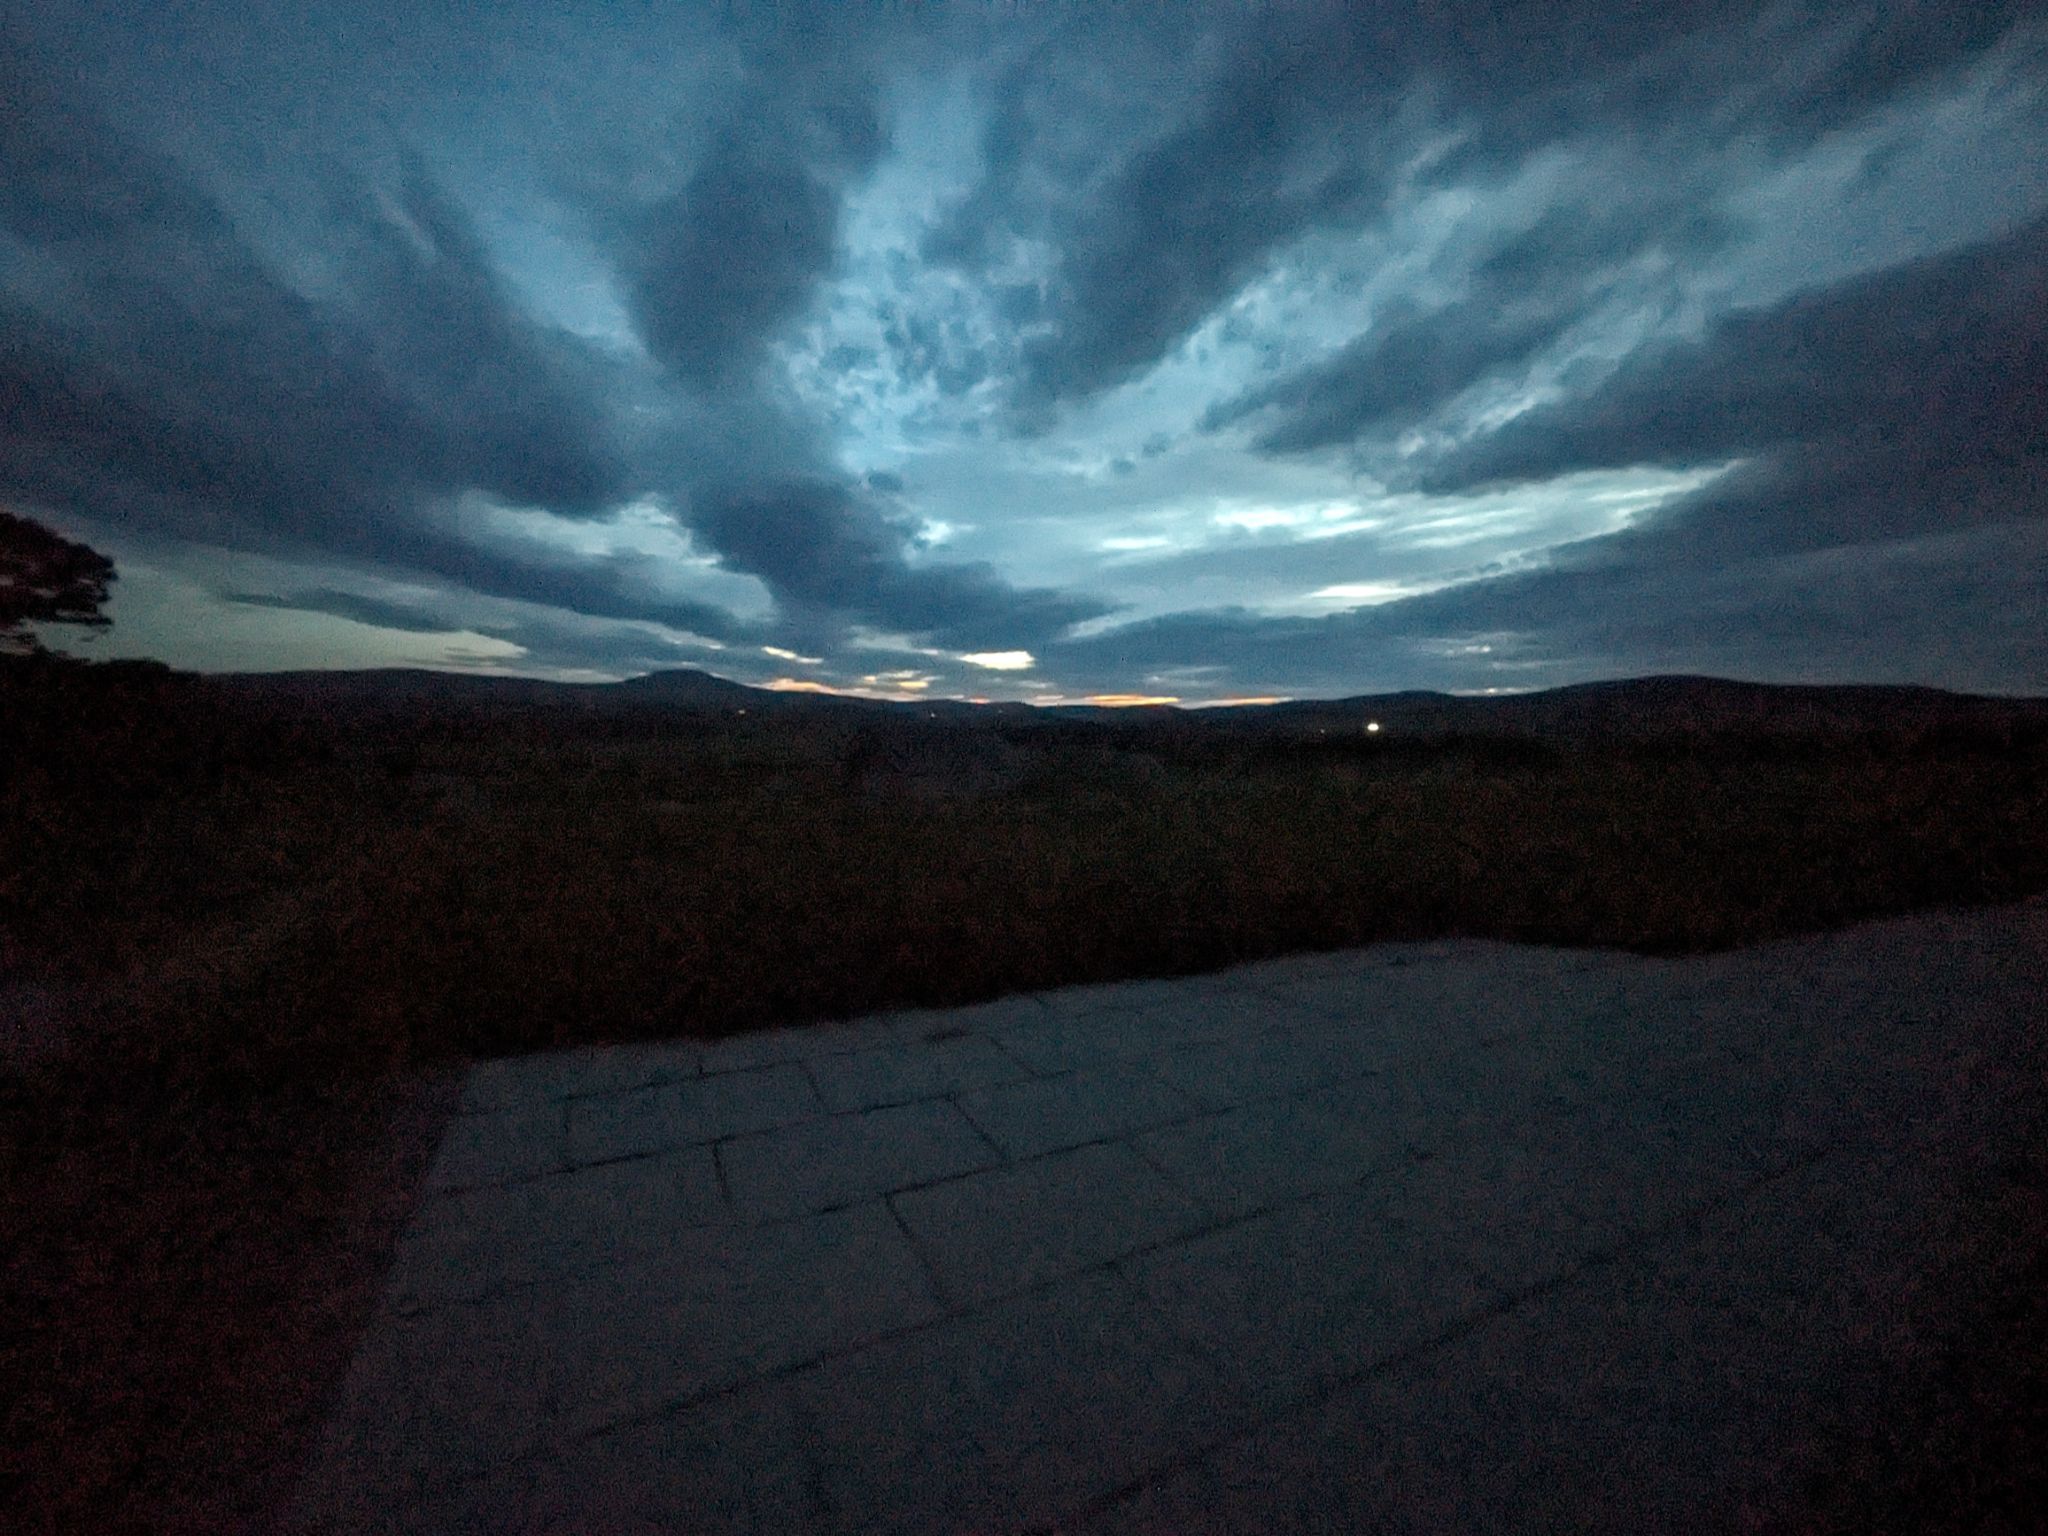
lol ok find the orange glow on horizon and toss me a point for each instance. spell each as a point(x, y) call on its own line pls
point(882, 686)
point(804, 685)
point(886, 692)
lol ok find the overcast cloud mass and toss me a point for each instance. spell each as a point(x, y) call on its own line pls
point(1041, 352)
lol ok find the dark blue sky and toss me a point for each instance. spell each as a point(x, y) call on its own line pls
point(1041, 352)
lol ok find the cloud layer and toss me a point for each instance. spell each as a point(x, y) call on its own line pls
point(1300, 349)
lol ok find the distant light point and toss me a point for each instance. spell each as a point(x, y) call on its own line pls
point(1372, 727)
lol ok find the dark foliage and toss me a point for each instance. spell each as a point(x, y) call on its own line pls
point(46, 578)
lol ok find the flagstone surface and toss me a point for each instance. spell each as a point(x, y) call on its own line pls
point(1451, 1236)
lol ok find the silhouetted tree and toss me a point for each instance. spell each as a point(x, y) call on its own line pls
point(46, 578)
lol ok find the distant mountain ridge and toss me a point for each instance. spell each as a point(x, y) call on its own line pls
point(1661, 706)
point(1668, 705)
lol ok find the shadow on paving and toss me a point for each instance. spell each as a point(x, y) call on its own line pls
point(1455, 1236)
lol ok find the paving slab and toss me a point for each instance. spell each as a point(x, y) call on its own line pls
point(510, 1082)
point(1064, 1040)
point(1010, 1416)
point(1447, 1236)
point(1317, 1291)
point(719, 1309)
point(768, 1048)
point(820, 1165)
point(1176, 992)
point(1269, 1153)
point(1697, 1384)
point(522, 1141)
point(913, 1069)
point(468, 1244)
point(1015, 1227)
point(1221, 1073)
point(1070, 1109)
point(671, 1115)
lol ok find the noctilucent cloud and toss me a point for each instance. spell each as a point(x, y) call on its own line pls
point(1041, 352)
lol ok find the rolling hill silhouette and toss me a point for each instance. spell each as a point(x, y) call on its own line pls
point(1670, 706)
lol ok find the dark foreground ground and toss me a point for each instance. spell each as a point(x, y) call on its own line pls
point(1460, 1237)
point(241, 935)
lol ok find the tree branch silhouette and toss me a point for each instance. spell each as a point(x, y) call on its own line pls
point(46, 578)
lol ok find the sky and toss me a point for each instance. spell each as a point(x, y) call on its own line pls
point(1040, 352)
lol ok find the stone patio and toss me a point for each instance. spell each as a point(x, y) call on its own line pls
point(1458, 1236)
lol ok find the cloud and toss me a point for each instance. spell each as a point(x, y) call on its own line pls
point(829, 554)
point(623, 584)
point(851, 293)
point(1182, 222)
point(1396, 375)
point(1902, 402)
point(1928, 611)
point(1316, 111)
point(170, 379)
point(166, 375)
point(519, 409)
point(382, 613)
point(1000, 661)
point(1518, 300)
point(1887, 517)
point(529, 635)
point(731, 257)
point(723, 267)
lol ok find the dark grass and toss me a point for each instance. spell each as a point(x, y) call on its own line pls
point(269, 920)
